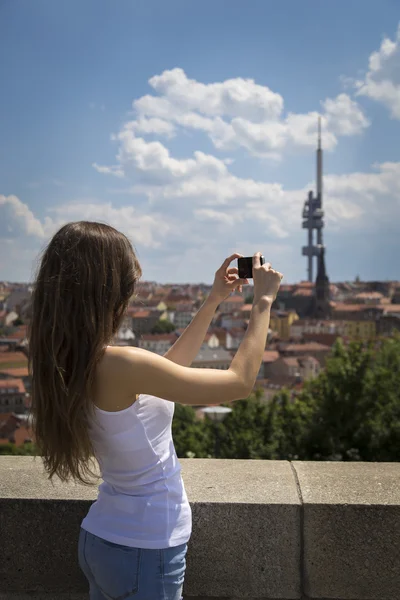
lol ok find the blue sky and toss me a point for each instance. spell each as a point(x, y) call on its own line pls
point(212, 107)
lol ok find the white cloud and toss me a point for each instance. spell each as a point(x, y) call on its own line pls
point(239, 113)
point(232, 97)
point(19, 218)
point(153, 125)
point(344, 116)
point(382, 80)
point(147, 230)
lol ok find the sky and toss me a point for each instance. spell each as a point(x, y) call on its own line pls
point(192, 127)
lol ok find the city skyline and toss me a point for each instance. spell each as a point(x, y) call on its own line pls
point(196, 150)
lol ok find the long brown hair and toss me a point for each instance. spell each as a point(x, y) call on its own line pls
point(86, 277)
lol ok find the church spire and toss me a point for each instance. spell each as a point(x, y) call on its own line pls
point(321, 273)
point(322, 307)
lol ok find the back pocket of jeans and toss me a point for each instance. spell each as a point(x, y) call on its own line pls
point(114, 568)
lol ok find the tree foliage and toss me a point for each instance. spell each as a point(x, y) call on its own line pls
point(350, 412)
point(27, 449)
point(163, 326)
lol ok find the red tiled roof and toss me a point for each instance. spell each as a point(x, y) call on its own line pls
point(326, 339)
point(392, 308)
point(140, 314)
point(17, 372)
point(13, 357)
point(307, 347)
point(306, 284)
point(17, 385)
point(303, 292)
point(14, 427)
point(270, 356)
point(290, 361)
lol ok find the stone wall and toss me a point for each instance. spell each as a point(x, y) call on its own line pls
point(261, 529)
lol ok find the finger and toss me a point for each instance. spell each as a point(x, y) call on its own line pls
point(256, 259)
point(238, 282)
point(228, 260)
point(233, 270)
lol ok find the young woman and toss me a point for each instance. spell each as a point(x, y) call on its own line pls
point(90, 399)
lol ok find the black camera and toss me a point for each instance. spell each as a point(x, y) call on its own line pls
point(245, 266)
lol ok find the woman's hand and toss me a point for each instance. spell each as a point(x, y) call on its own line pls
point(226, 280)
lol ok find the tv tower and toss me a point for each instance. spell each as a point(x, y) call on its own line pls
point(313, 215)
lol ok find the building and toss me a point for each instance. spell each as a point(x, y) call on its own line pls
point(212, 358)
point(321, 307)
point(15, 429)
point(269, 357)
point(303, 327)
point(281, 322)
point(302, 367)
point(211, 340)
point(159, 343)
point(357, 312)
point(17, 373)
point(364, 330)
point(124, 337)
point(142, 321)
point(296, 298)
point(245, 311)
point(184, 313)
point(231, 304)
point(388, 325)
point(318, 351)
point(12, 396)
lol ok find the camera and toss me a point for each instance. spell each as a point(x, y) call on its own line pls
point(245, 266)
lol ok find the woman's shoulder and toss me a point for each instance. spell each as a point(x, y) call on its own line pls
point(114, 390)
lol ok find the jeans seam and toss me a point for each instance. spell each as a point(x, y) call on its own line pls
point(84, 554)
point(162, 557)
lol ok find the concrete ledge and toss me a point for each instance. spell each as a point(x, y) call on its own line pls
point(351, 530)
point(261, 530)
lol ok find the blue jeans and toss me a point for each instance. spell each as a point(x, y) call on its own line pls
point(117, 572)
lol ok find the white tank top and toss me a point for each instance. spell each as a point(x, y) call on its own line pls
point(142, 501)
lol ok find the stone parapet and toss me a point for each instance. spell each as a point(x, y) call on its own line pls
point(261, 530)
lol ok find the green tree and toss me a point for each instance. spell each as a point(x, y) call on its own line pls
point(27, 449)
point(191, 436)
point(242, 434)
point(163, 326)
point(350, 412)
